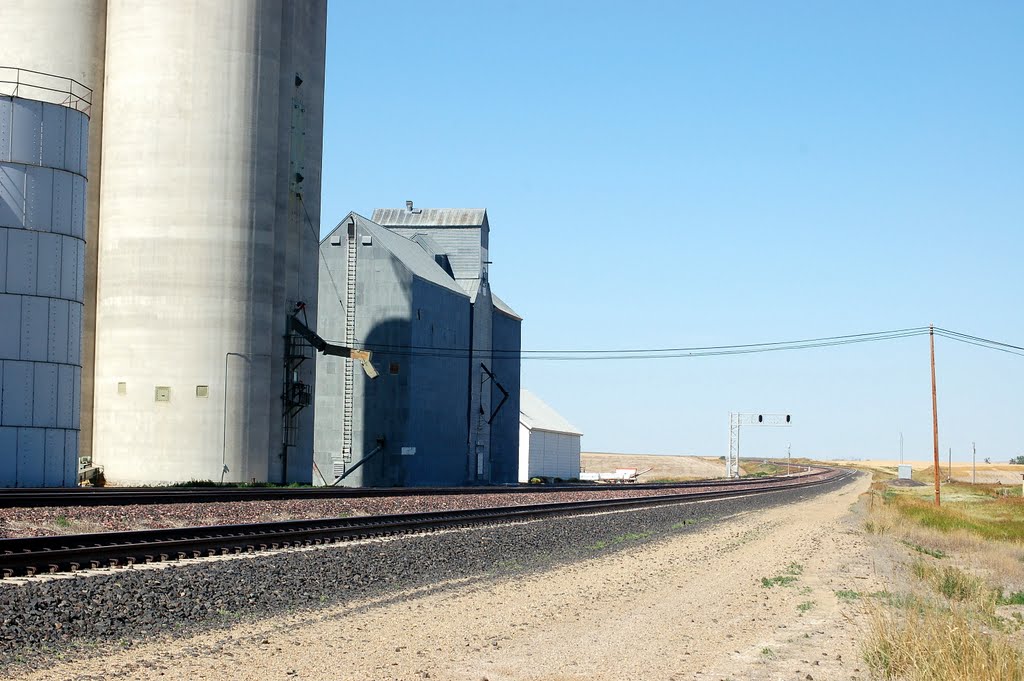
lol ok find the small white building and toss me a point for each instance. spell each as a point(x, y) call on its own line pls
point(549, 446)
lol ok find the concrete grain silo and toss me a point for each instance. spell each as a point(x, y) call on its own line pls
point(209, 229)
point(51, 76)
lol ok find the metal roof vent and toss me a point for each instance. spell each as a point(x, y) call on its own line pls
point(409, 208)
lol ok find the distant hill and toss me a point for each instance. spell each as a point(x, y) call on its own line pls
point(664, 467)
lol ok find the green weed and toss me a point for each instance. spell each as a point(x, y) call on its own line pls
point(1015, 598)
point(620, 539)
point(683, 523)
point(1000, 519)
point(934, 553)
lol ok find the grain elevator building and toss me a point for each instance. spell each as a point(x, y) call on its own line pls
point(412, 286)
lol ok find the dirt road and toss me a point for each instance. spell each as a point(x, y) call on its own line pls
point(759, 596)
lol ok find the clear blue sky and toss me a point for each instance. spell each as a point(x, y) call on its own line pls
point(677, 174)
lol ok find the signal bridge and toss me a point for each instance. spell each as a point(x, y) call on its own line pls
point(736, 422)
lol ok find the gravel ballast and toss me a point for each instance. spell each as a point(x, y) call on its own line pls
point(38, 521)
point(54, 520)
point(41, 619)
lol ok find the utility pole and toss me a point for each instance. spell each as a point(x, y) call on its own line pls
point(789, 459)
point(949, 466)
point(974, 464)
point(901, 446)
point(935, 416)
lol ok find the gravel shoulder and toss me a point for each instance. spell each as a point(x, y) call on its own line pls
point(686, 602)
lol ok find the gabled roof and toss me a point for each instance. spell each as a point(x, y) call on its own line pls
point(430, 217)
point(420, 263)
point(535, 414)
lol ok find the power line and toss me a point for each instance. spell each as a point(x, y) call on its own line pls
point(688, 352)
point(334, 284)
point(682, 353)
point(708, 350)
point(853, 338)
point(979, 342)
point(570, 355)
point(664, 353)
point(736, 350)
point(976, 338)
point(654, 353)
point(309, 220)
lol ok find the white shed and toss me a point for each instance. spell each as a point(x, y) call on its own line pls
point(549, 446)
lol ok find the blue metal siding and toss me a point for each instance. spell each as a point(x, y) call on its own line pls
point(506, 364)
point(420, 405)
point(42, 195)
point(438, 392)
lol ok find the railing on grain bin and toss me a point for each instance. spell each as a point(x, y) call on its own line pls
point(46, 87)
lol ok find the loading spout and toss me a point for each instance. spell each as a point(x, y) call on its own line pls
point(363, 356)
point(376, 450)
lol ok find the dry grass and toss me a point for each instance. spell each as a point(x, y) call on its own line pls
point(995, 473)
point(663, 468)
point(985, 535)
point(46, 527)
point(965, 556)
point(957, 585)
point(930, 644)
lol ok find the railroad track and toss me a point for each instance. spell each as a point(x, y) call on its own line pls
point(34, 555)
point(125, 496)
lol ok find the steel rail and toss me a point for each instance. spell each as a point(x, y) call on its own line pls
point(32, 555)
point(24, 497)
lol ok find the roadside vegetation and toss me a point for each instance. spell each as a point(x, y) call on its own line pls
point(761, 468)
point(960, 612)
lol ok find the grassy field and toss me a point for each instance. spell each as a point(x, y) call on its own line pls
point(658, 468)
point(759, 468)
point(984, 473)
point(959, 612)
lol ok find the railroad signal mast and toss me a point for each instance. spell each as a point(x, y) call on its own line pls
point(736, 422)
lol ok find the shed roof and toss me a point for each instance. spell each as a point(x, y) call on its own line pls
point(471, 287)
point(430, 217)
point(502, 306)
point(535, 414)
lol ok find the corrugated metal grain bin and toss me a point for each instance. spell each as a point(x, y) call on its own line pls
point(43, 156)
